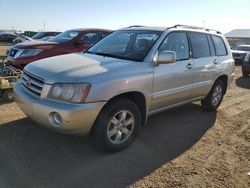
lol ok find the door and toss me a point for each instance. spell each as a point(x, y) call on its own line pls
point(173, 82)
point(206, 63)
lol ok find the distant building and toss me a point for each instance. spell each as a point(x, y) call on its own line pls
point(238, 37)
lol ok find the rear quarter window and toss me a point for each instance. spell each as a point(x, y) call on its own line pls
point(220, 47)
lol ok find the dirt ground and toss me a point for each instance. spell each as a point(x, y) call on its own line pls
point(182, 147)
point(3, 48)
point(221, 158)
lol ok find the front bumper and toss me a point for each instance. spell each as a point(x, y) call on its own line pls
point(77, 118)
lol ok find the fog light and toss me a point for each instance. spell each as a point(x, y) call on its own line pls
point(55, 119)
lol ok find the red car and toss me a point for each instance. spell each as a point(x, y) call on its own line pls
point(71, 41)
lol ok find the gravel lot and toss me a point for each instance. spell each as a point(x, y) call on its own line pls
point(182, 147)
point(3, 48)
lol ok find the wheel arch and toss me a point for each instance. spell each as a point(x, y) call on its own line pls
point(137, 97)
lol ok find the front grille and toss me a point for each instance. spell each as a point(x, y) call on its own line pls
point(33, 83)
point(13, 52)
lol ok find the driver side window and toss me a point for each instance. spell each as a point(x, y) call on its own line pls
point(178, 43)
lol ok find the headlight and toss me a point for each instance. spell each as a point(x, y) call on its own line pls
point(27, 53)
point(75, 93)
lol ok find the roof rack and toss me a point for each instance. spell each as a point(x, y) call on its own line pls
point(194, 27)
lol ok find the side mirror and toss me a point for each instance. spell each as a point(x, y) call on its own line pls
point(166, 57)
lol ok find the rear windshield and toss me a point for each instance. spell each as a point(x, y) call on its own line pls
point(39, 35)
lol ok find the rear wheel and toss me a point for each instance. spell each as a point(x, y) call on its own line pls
point(117, 125)
point(214, 97)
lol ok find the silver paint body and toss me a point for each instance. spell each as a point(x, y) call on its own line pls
point(164, 86)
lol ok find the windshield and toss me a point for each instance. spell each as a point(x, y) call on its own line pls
point(130, 45)
point(65, 36)
point(243, 48)
point(39, 35)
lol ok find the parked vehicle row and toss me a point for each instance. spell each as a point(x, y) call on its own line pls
point(240, 53)
point(246, 65)
point(71, 41)
point(44, 36)
point(110, 90)
point(7, 37)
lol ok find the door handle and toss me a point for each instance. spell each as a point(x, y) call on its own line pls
point(215, 62)
point(189, 66)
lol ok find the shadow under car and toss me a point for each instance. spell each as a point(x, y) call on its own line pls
point(33, 156)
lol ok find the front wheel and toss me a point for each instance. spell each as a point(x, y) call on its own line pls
point(213, 100)
point(117, 125)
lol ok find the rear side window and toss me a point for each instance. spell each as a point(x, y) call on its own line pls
point(220, 47)
point(90, 38)
point(104, 34)
point(178, 43)
point(200, 46)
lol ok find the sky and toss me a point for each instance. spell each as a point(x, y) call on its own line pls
point(60, 15)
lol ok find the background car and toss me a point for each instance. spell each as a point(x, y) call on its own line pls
point(246, 65)
point(71, 41)
point(240, 53)
point(39, 36)
point(42, 35)
point(21, 38)
point(7, 37)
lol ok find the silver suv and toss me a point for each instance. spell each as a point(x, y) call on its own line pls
point(110, 90)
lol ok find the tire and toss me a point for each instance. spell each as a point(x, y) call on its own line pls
point(117, 125)
point(8, 95)
point(213, 100)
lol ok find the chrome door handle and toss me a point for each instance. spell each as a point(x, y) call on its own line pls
point(189, 66)
point(215, 61)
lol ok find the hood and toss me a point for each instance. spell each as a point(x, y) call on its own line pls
point(35, 44)
point(78, 67)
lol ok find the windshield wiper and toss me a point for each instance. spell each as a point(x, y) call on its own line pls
point(111, 55)
point(103, 54)
point(88, 52)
